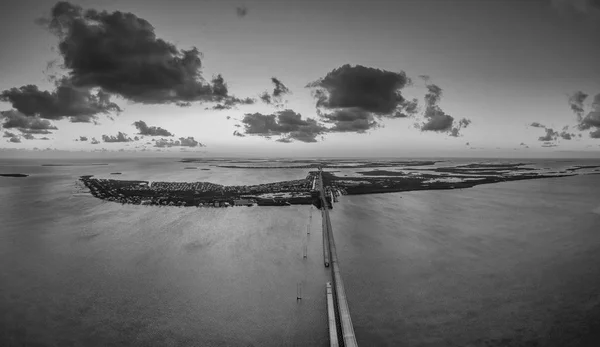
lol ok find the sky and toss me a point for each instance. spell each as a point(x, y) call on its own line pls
point(302, 78)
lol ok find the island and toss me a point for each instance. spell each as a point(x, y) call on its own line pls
point(304, 191)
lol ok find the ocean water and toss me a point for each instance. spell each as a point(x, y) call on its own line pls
point(506, 264)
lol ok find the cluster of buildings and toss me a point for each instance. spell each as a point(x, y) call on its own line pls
point(203, 193)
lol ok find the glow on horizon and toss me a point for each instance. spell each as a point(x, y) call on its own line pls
point(489, 71)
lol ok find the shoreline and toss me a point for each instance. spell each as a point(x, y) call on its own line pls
point(286, 193)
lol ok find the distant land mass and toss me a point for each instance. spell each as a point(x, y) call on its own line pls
point(14, 175)
point(93, 164)
point(386, 177)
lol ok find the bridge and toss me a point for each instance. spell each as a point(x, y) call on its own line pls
point(337, 304)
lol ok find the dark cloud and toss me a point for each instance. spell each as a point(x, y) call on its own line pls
point(136, 138)
point(9, 134)
point(14, 139)
point(284, 140)
point(433, 96)
point(66, 101)
point(182, 142)
point(275, 97)
point(411, 107)
point(237, 133)
point(595, 134)
point(35, 131)
point(144, 129)
point(44, 138)
point(121, 137)
point(576, 103)
point(28, 137)
point(83, 138)
point(408, 108)
point(286, 123)
point(231, 102)
point(551, 135)
point(467, 144)
point(265, 97)
point(120, 53)
point(241, 11)
point(591, 120)
point(369, 89)
point(16, 119)
point(548, 144)
point(350, 120)
point(280, 89)
point(537, 125)
point(436, 120)
point(94, 141)
point(463, 123)
point(566, 135)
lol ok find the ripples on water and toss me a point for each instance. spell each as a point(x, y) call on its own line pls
point(507, 264)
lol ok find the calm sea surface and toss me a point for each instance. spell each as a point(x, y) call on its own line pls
point(507, 264)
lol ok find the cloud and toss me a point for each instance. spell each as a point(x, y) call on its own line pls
point(44, 138)
point(35, 131)
point(121, 54)
point(94, 141)
point(551, 135)
point(537, 125)
point(356, 97)
point(548, 144)
point(275, 97)
point(237, 133)
point(182, 142)
point(425, 78)
point(280, 89)
point(369, 89)
point(463, 123)
point(231, 102)
point(435, 118)
point(9, 134)
point(241, 11)
point(591, 120)
point(83, 138)
point(144, 129)
point(576, 103)
point(28, 137)
point(265, 97)
point(433, 96)
point(595, 134)
point(286, 123)
point(14, 139)
point(566, 136)
point(16, 119)
point(66, 101)
point(121, 137)
point(350, 120)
